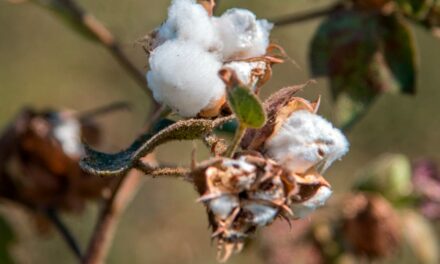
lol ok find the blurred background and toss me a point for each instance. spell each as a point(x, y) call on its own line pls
point(45, 64)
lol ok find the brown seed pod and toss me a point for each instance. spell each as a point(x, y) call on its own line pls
point(371, 226)
point(39, 163)
point(240, 195)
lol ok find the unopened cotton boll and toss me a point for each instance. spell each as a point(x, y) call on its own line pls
point(243, 36)
point(306, 140)
point(189, 21)
point(185, 77)
point(303, 209)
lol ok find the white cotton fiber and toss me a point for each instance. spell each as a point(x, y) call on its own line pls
point(306, 140)
point(245, 70)
point(242, 35)
point(223, 205)
point(262, 215)
point(189, 21)
point(303, 209)
point(184, 76)
point(67, 130)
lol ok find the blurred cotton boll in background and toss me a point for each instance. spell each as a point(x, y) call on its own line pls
point(184, 77)
point(306, 140)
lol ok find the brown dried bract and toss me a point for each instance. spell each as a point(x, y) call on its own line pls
point(241, 195)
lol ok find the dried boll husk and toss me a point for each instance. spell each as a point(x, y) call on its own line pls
point(371, 226)
point(39, 162)
point(240, 195)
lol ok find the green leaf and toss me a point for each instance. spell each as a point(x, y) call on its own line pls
point(343, 41)
point(7, 237)
point(364, 54)
point(417, 8)
point(247, 107)
point(114, 164)
point(400, 52)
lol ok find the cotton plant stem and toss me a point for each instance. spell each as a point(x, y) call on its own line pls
point(163, 171)
point(64, 232)
point(236, 141)
point(86, 20)
point(88, 115)
point(306, 16)
point(104, 231)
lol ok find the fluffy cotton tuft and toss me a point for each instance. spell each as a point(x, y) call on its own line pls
point(262, 214)
point(245, 70)
point(307, 140)
point(223, 205)
point(242, 35)
point(67, 131)
point(185, 77)
point(189, 21)
point(318, 200)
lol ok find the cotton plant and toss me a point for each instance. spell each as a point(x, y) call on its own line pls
point(192, 43)
point(209, 70)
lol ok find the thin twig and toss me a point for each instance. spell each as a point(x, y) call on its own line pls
point(107, 39)
point(113, 208)
point(306, 16)
point(93, 26)
point(64, 231)
point(87, 115)
point(164, 171)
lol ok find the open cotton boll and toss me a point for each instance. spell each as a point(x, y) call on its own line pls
point(305, 140)
point(262, 215)
point(189, 21)
point(243, 36)
point(223, 205)
point(185, 77)
point(245, 71)
point(303, 209)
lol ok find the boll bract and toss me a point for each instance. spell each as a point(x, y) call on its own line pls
point(184, 77)
point(306, 140)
